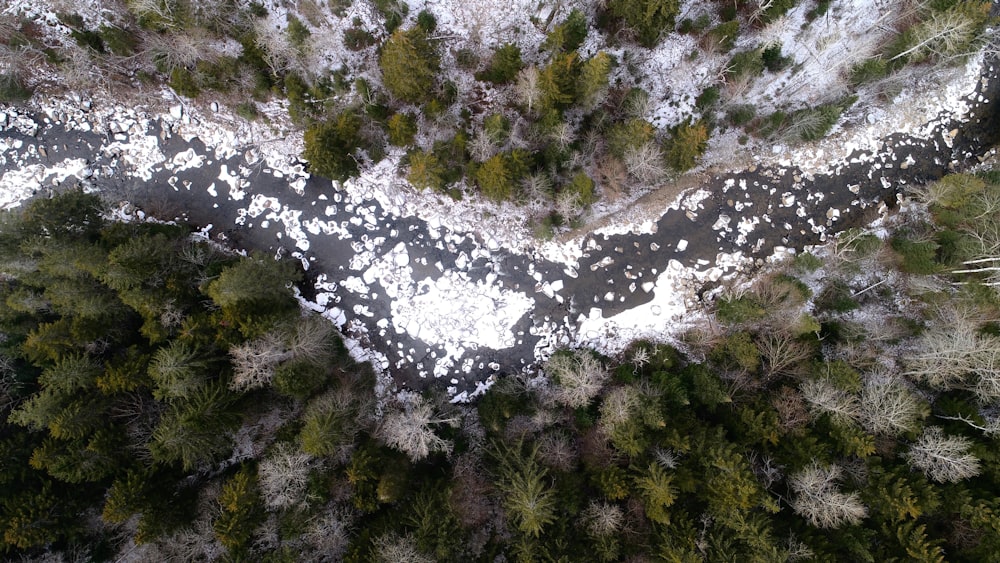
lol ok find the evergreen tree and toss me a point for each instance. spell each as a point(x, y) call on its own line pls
point(650, 19)
point(409, 64)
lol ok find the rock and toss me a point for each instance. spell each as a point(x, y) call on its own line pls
point(215, 106)
point(176, 111)
point(42, 151)
point(3, 119)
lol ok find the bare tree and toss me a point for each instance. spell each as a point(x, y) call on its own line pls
point(182, 49)
point(619, 406)
point(945, 33)
point(409, 427)
point(528, 88)
point(823, 396)
point(819, 500)
point(943, 458)
point(557, 451)
point(393, 548)
point(578, 375)
point(279, 53)
point(954, 354)
point(284, 476)
point(254, 361)
point(888, 406)
point(603, 519)
point(329, 535)
point(645, 162)
point(783, 353)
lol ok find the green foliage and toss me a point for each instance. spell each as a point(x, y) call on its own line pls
point(649, 19)
point(330, 146)
point(12, 88)
point(630, 134)
point(568, 35)
point(745, 65)
point(402, 129)
point(688, 142)
point(504, 65)
point(740, 114)
point(529, 501)
point(774, 61)
point(241, 511)
point(558, 81)
point(498, 177)
point(658, 493)
point(194, 433)
point(868, 70)
point(184, 83)
point(708, 98)
point(917, 256)
point(426, 171)
point(593, 79)
point(724, 35)
point(120, 40)
point(409, 65)
point(298, 32)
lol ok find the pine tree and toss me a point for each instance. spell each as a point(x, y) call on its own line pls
point(658, 493)
point(528, 499)
point(648, 18)
point(426, 171)
point(241, 511)
point(330, 146)
point(686, 146)
point(592, 82)
point(558, 81)
point(409, 64)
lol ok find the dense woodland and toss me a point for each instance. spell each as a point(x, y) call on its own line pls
point(552, 130)
point(165, 399)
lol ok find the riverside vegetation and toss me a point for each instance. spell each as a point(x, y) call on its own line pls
point(552, 130)
point(158, 404)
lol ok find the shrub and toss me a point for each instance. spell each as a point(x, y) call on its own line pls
point(426, 21)
point(12, 89)
point(745, 65)
point(298, 33)
point(724, 35)
point(868, 71)
point(183, 82)
point(774, 61)
point(119, 40)
point(740, 114)
point(357, 39)
point(708, 97)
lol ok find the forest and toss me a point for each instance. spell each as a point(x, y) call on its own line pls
point(164, 398)
point(167, 399)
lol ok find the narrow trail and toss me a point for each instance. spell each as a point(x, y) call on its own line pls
point(435, 305)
